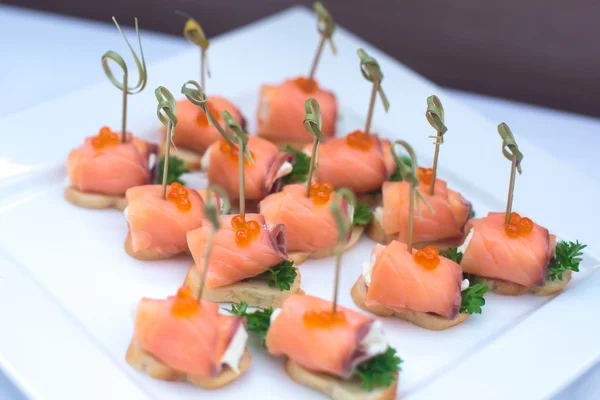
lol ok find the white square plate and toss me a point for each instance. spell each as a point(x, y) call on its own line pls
point(68, 288)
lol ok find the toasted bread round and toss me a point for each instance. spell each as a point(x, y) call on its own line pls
point(424, 320)
point(146, 255)
point(298, 257)
point(337, 388)
point(255, 292)
point(505, 288)
point(142, 361)
point(375, 232)
point(94, 200)
point(191, 160)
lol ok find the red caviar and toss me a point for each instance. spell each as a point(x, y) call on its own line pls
point(306, 85)
point(185, 305)
point(245, 231)
point(105, 138)
point(232, 152)
point(359, 140)
point(202, 119)
point(324, 318)
point(320, 192)
point(518, 225)
point(179, 195)
point(428, 257)
point(425, 175)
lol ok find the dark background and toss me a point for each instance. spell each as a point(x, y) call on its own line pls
point(538, 51)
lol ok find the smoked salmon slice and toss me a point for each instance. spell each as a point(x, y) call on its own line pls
point(398, 282)
point(280, 111)
point(308, 226)
point(160, 225)
point(231, 262)
point(193, 132)
point(307, 332)
point(388, 159)
point(261, 178)
point(491, 253)
point(186, 337)
point(360, 169)
point(452, 212)
point(105, 165)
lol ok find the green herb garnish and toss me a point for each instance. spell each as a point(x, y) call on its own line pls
point(258, 321)
point(453, 254)
point(362, 215)
point(283, 275)
point(472, 298)
point(176, 169)
point(380, 370)
point(299, 169)
point(397, 176)
point(567, 257)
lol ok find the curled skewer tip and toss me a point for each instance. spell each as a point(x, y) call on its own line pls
point(369, 67)
point(435, 115)
point(510, 148)
point(212, 209)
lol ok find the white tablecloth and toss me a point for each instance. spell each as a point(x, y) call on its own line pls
point(46, 56)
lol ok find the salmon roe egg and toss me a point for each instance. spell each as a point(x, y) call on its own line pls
point(245, 231)
point(324, 318)
point(306, 85)
point(425, 175)
point(321, 192)
point(518, 225)
point(105, 138)
point(428, 257)
point(359, 140)
point(232, 152)
point(185, 305)
point(179, 195)
point(202, 119)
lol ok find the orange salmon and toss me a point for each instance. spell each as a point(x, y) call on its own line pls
point(305, 332)
point(281, 112)
point(398, 282)
point(361, 170)
point(452, 212)
point(194, 343)
point(159, 225)
point(492, 253)
point(308, 226)
point(260, 179)
point(193, 132)
point(230, 262)
point(111, 167)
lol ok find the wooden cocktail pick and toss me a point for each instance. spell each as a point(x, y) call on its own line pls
point(312, 123)
point(435, 116)
point(124, 85)
point(166, 111)
point(242, 146)
point(194, 33)
point(326, 26)
point(408, 174)
point(511, 151)
point(211, 213)
point(343, 227)
point(369, 67)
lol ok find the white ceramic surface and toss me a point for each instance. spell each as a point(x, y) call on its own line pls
point(85, 270)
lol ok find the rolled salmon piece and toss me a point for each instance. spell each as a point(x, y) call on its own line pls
point(262, 177)
point(160, 225)
point(281, 112)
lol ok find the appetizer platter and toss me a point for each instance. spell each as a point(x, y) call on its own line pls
point(376, 227)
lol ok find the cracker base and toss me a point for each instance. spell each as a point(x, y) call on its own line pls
point(191, 160)
point(505, 288)
point(146, 255)
point(94, 200)
point(298, 257)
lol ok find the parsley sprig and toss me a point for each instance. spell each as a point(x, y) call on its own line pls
point(362, 214)
point(567, 257)
point(176, 169)
point(453, 254)
point(258, 321)
point(472, 298)
point(396, 176)
point(300, 168)
point(380, 370)
point(283, 275)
